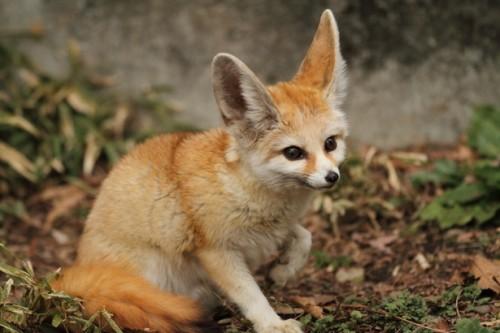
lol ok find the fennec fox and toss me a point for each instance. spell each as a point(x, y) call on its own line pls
point(185, 216)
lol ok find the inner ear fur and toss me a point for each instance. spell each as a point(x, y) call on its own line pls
point(241, 97)
point(323, 65)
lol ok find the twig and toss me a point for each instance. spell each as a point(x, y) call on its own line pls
point(416, 324)
point(456, 304)
point(384, 313)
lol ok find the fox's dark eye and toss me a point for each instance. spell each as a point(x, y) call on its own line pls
point(330, 144)
point(293, 153)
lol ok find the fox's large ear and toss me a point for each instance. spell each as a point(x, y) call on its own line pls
point(323, 67)
point(242, 99)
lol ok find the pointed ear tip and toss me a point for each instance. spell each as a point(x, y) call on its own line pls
point(220, 57)
point(328, 16)
point(225, 58)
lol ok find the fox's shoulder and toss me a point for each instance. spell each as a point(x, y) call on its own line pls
point(170, 150)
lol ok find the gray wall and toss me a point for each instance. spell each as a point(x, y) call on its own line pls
point(416, 67)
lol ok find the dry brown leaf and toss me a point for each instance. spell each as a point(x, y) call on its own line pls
point(54, 193)
point(20, 122)
point(324, 299)
point(79, 103)
point(380, 243)
point(488, 273)
point(309, 305)
point(442, 325)
point(410, 157)
point(92, 151)
point(285, 309)
point(17, 161)
point(60, 237)
point(119, 120)
point(31, 79)
point(64, 199)
point(393, 176)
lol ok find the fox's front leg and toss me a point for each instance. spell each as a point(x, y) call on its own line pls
point(295, 256)
point(230, 273)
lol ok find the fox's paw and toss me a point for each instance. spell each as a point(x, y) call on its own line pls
point(281, 274)
point(283, 326)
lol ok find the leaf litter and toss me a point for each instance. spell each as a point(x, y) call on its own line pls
point(414, 234)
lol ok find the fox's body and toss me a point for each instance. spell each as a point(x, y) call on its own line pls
point(193, 213)
point(165, 201)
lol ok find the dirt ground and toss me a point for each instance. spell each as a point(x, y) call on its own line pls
point(360, 263)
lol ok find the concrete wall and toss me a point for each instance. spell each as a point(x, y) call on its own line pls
point(416, 67)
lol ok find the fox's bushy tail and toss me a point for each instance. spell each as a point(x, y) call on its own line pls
point(134, 302)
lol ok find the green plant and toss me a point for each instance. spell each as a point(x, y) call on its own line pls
point(451, 298)
point(467, 325)
point(473, 191)
point(29, 304)
point(405, 307)
point(62, 127)
point(324, 260)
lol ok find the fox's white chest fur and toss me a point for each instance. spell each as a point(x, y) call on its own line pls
point(260, 221)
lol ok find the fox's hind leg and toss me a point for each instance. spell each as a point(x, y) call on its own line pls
point(180, 275)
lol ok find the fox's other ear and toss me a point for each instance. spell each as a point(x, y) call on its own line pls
point(242, 99)
point(323, 67)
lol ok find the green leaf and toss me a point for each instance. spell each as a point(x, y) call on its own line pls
point(5, 291)
point(467, 325)
point(8, 327)
point(464, 193)
point(484, 131)
point(57, 320)
point(111, 322)
point(485, 211)
point(445, 172)
point(489, 173)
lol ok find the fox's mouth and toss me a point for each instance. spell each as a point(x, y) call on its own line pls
point(317, 188)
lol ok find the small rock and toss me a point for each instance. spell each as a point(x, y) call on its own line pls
point(354, 275)
point(422, 261)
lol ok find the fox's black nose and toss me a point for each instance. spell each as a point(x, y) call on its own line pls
point(332, 177)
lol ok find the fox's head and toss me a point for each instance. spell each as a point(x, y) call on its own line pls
point(291, 133)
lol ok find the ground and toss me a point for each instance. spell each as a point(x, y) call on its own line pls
point(374, 267)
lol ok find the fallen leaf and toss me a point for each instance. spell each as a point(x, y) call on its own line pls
point(285, 309)
point(488, 273)
point(411, 157)
point(60, 237)
point(380, 243)
point(393, 176)
point(17, 161)
point(442, 325)
point(64, 199)
point(92, 151)
point(28, 77)
point(20, 122)
point(324, 299)
point(79, 103)
point(309, 305)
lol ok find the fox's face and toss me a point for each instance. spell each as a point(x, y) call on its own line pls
point(292, 133)
point(306, 145)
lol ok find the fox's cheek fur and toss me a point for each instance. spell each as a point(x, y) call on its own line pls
point(278, 171)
